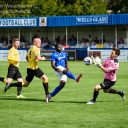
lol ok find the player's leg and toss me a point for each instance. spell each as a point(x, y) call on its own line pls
point(20, 83)
point(45, 84)
point(108, 89)
point(72, 76)
point(19, 87)
point(105, 85)
point(17, 76)
point(40, 74)
point(10, 76)
point(98, 87)
point(57, 89)
point(29, 77)
point(95, 94)
point(25, 83)
point(8, 82)
point(113, 91)
point(69, 74)
point(63, 80)
point(2, 79)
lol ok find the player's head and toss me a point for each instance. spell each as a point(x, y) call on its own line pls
point(58, 47)
point(16, 42)
point(115, 52)
point(37, 42)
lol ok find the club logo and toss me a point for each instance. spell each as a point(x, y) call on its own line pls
point(43, 21)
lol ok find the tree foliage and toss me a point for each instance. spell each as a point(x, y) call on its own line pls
point(48, 8)
point(69, 7)
point(118, 6)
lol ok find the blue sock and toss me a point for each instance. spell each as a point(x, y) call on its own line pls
point(70, 75)
point(56, 90)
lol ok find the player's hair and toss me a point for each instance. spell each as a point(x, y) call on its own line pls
point(117, 50)
point(35, 36)
point(57, 45)
point(15, 39)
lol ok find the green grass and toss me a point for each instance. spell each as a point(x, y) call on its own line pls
point(68, 109)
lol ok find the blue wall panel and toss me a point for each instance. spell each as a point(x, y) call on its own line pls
point(87, 20)
point(62, 21)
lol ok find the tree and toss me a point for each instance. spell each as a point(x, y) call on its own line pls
point(97, 7)
point(83, 7)
point(48, 8)
point(24, 8)
point(118, 6)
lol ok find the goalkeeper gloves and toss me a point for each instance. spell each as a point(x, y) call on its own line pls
point(99, 65)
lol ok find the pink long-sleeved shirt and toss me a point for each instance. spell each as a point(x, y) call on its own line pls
point(111, 66)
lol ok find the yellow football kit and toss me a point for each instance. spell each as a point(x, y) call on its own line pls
point(32, 54)
point(13, 57)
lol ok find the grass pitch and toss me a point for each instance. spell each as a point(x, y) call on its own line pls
point(68, 109)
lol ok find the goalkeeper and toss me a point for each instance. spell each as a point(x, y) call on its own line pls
point(109, 67)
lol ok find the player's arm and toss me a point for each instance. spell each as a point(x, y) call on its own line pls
point(67, 66)
point(66, 62)
point(38, 57)
point(102, 66)
point(109, 69)
point(53, 63)
point(54, 67)
point(27, 57)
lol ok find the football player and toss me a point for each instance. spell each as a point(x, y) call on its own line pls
point(33, 57)
point(2, 79)
point(109, 67)
point(13, 69)
point(60, 65)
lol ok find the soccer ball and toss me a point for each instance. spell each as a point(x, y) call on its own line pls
point(87, 61)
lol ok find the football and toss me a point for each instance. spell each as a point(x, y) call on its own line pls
point(87, 61)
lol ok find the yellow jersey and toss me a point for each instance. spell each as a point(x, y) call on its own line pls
point(32, 54)
point(13, 57)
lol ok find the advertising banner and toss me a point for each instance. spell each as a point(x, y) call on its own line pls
point(4, 55)
point(103, 54)
point(71, 54)
point(21, 22)
point(94, 19)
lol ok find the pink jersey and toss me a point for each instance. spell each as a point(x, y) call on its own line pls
point(111, 66)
